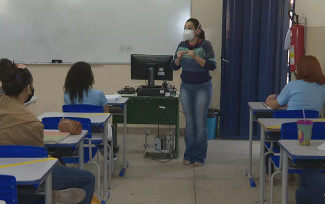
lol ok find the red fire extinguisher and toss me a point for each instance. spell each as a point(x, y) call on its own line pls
point(297, 45)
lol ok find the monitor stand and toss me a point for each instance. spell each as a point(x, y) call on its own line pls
point(151, 75)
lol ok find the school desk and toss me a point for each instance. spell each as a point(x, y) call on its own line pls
point(270, 125)
point(256, 110)
point(290, 149)
point(96, 119)
point(122, 102)
point(71, 141)
point(30, 171)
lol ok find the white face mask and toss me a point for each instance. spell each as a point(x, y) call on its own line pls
point(188, 34)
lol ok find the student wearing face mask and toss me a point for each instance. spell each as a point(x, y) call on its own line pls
point(196, 57)
point(5, 66)
point(18, 126)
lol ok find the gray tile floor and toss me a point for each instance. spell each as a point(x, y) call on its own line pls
point(221, 180)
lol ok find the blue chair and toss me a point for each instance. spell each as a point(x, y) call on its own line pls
point(82, 108)
point(14, 151)
point(287, 114)
point(53, 122)
point(97, 138)
point(295, 114)
point(87, 108)
point(90, 151)
point(289, 131)
point(8, 189)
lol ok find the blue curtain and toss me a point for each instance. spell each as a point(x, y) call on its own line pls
point(254, 63)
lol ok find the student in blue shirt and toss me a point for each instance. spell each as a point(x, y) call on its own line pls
point(78, 90)
point(307, 92)
point(196, 57)
point(78, 87)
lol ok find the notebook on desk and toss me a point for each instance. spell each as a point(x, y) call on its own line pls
point(54, 137)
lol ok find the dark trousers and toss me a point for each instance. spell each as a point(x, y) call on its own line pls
point(312, 188)
point(64, 178)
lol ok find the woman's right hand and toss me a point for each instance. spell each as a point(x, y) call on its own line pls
point(272, 101)
point(180, 54)
point(271, 97)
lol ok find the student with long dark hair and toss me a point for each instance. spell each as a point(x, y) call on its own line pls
point(195, 56)
point(78, 87)
point(18, 126)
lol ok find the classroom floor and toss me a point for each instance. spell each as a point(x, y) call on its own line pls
point(221, 180)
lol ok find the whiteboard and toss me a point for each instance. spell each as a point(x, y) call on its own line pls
point(96, 31)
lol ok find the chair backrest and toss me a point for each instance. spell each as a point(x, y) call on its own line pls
point(8, 189)
point(290, 131)
point(82, 108)
point(295, 114)
point(14, 151)
point(53, 122)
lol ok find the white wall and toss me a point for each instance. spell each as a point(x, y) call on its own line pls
point(49, 79)
point(313, 11)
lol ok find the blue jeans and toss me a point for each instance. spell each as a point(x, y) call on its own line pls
point(195, 99)
point(65, 177)
point(312, 188)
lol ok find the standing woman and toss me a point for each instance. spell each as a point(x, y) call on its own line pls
point(196, 57)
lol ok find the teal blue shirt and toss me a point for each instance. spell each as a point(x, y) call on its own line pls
point(299, 94)
point(92, 97)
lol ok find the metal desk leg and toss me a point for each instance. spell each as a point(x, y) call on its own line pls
point(105, 141)
point(249, 171)
point(125, 162)
point(284, 158)
point(81, 154)
point(262, 166)
point(48, 189)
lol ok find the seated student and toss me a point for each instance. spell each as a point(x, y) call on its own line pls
point(78, 89)
point(5, 66)
point(18, 126)
point(307, 92)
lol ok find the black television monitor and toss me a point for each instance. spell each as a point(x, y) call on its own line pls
point(151, 68)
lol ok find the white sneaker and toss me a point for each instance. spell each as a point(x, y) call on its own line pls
point(68, 196)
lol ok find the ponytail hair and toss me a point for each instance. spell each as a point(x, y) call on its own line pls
point(197, 25)
point(5, 66)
